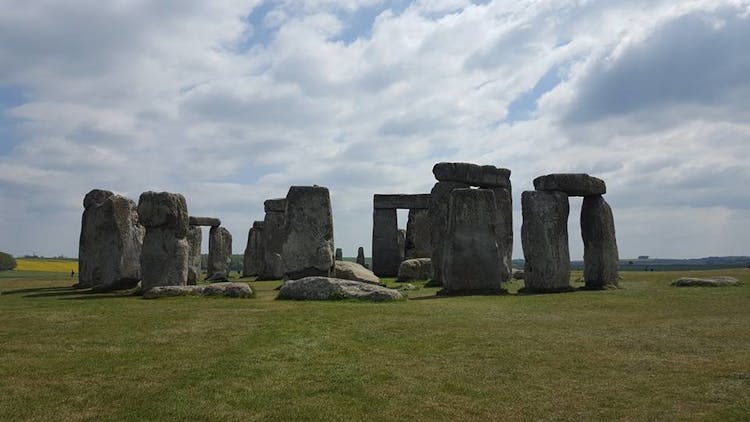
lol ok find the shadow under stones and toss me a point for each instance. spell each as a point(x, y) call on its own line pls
point(41, 289)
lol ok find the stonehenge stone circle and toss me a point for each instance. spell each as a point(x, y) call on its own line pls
point(308, 233)
point(418, 235)
point(600, 257)
point(339, 254)
point(219, 254)
point(110, 242)
point(164, 257)
point(471, 257)
point(194, 237)
point(253, 258)
point(361, 257)
point(572, 184)
point(544, 234)
point(204, 221)
point(272, 266)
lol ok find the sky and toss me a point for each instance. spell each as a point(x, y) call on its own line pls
point(231, 102)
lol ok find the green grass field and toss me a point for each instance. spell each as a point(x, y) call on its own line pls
point(647, 351)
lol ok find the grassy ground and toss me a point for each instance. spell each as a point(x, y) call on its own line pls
point(647, 351)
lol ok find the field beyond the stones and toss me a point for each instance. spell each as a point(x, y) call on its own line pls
point(647, 351)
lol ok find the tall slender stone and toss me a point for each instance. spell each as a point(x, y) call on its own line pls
point(504, 228)
point(439, 201)
point(418, 229)
point(194, 237)
point(164, 258)
point(308, 233)
point(471, 257)
point(272, 267)
point(339, 254)
point(600, 257)
point(361, 256)
point(401, 245)
point(544, 234)
point(219, 254)
point(253, 258)
point(385, 248)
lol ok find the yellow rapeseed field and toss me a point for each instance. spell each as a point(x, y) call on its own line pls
point(50, 265)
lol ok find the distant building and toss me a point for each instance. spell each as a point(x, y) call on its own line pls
point(643, 257)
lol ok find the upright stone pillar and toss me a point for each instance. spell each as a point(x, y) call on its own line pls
point(361, 257)
point(219, 254)
point(254, 254)
point(385, 248)
point(401, 245)
point(544, 234)
point(418, 228)
point(339, 254)
point(195, 238)
point(504, 228)
point(470, 253)
point(272, 266)
point(308, 243)
point(439, 201)
point(164, 258)
point(600, 257)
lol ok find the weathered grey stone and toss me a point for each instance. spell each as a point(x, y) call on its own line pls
point(401, 244)
point(194, 238)
point(573, 184)
point(721, 281)
point(600, 257)
point(439, 201)
point(418, 232)
point(204, 221)
point(252, 260)
point(237, 290)
point(361, 257)
point(164, 210)
point(308, 242)
point(504, 228)
point(110, 242)
point(415, 269)
point(386, 255)
point(339, 254)
point(274, 205)
point(219, 254)
point(272, 267)
point(164, 259)
point(471, 258)
point(403, 201)
point(352, 271)
point(324, 288)
point(544, 234)
point(518, 275)
point(472, 174)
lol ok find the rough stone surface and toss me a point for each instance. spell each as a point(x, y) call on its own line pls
point(721, 281)
point(600, 258)
point(274, 205)
point(252, 260)
point(237, 290)
point(361, 257)
point(204, 221)
point(518, 275)
point(308, 242)
point(472, 174)
point(504, 228)
point(572, 184)
point(353, 271)
point(219, 254)
point(471, 258)
point(165, 253)
point(339, 254)
point(418, 201)
point(418, 231)
point(324, 288)
point(439, 200)
point(415, 269)
point(401, 244)
point(194, 238)
point(272, 267)
point(110, 243)
point(386, 255)
point(544, 234)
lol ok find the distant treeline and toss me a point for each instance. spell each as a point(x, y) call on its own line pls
point(659, 264)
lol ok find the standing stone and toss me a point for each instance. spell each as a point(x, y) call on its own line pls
point(219, 254)
point(252, 261)
point(308, 233)
point(194, 238)
point(600, 257)
point(164, 258)
point(272, 266)
point(110, 243)
point(439, 201)
point(544, 234)
point(418, 243)
point(471, 258)
point(339, 254)
point(401, 245)
point(504, 228)
point(386, 255)
point(361, 257)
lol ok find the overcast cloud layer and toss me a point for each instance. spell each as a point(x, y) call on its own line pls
point(232, 102)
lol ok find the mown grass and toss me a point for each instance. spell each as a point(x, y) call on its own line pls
point(647, 351)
